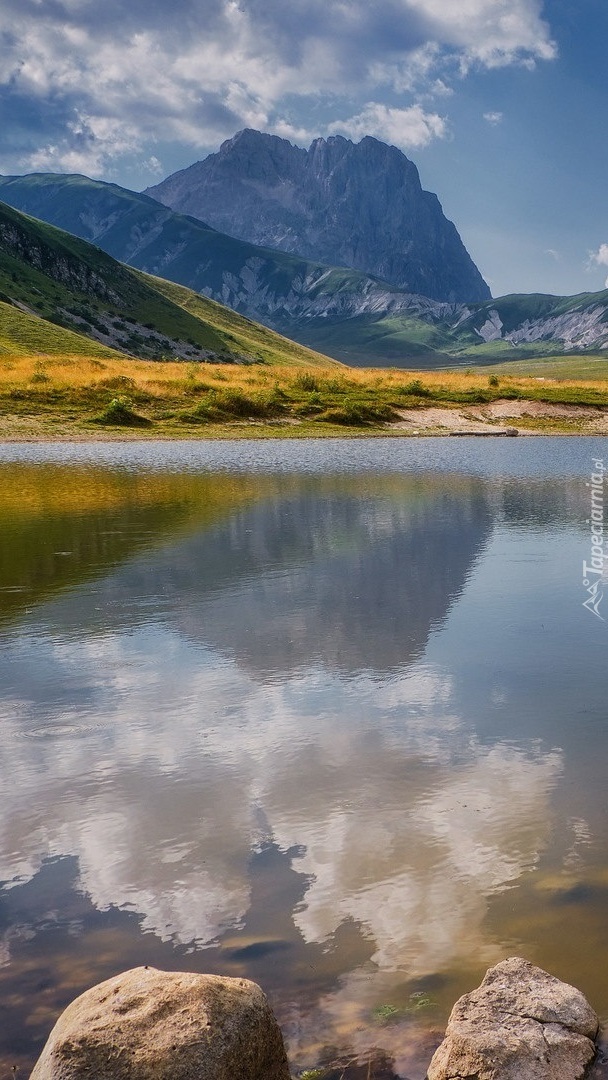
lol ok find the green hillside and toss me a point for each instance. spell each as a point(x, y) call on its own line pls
point(316, 305)
point(61, 294)
point(137, 230)
point(255, 340)
point(23, 335)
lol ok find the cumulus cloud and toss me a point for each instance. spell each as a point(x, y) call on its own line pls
point(599, 258)
point(410, 128)
point(81, 95)
point(491, 33)
point(493, 118)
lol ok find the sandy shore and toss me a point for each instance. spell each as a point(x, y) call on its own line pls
point(505, 418)
point(497, 418)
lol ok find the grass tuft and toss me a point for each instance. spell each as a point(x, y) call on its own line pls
point(118, 412)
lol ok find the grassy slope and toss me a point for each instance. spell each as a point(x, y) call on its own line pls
point(251, 337)
point(579, 367)
point(52, 271)
point(59, 277)
point(24, 335)
point(146, 234)
point(136, 228)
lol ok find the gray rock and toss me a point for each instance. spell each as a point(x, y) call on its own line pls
point(151, 1025)
point(520, 1024)
point(349, 204)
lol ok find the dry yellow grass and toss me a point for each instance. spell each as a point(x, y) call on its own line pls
point(168, 378)
point(65, 395)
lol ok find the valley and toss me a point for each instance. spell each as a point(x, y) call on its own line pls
point(93, 346)
point(344, 313)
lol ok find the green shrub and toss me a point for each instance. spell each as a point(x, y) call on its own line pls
point(119, 412)
point(478, 394)
point(415, 388)
point(193, 389)
point(235, 405)
point(116, 382)
point(356, 414)
point(305, 380)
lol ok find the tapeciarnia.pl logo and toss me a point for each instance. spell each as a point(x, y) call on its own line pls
point(593, 572)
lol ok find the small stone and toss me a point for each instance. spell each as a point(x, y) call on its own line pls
point(520, 1024)
point(150, 1025)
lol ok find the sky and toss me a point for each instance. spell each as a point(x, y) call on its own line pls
point(500, 103)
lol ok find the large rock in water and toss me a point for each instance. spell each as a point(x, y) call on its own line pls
point(348, 204)
point(520, 1024)
point(151, 1025)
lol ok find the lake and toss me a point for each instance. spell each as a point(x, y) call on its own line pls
point(329, 715)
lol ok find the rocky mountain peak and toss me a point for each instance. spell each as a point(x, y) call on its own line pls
point(359, 205)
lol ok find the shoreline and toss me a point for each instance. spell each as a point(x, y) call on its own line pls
point(78, 399)
point(254, 434)
point(498, 419)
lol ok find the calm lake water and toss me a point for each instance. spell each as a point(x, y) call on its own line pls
point(325, 714)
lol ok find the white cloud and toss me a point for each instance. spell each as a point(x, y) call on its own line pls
point(491, 33)
point(493, 118)
point(410, 129)
point(91, 146)
point(599, 258)
point(197, 73)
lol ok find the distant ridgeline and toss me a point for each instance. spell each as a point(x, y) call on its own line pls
point(346, 313)
point(60, 294)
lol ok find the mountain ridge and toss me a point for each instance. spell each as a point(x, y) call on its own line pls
point(353, 317)
point(359, 205)
point(58, 291)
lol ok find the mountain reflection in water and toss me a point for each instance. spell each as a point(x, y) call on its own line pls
point(246, 733)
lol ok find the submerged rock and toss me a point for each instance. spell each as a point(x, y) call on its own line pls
point(520, 1024)
point(147, 1025)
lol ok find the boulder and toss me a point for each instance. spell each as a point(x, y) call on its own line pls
point(151, 1025)
point(520, 1024)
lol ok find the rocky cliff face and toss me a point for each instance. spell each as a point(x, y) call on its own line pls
point(357, 205)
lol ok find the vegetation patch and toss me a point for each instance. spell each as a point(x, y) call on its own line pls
point(357, 414)
point(223, 404)
point(118, 413)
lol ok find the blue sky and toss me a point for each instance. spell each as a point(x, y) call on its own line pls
point(502, 104)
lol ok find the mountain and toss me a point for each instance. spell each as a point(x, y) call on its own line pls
point(359, 205)
point(305, 300)
point(59, 293)
point(344, 313)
